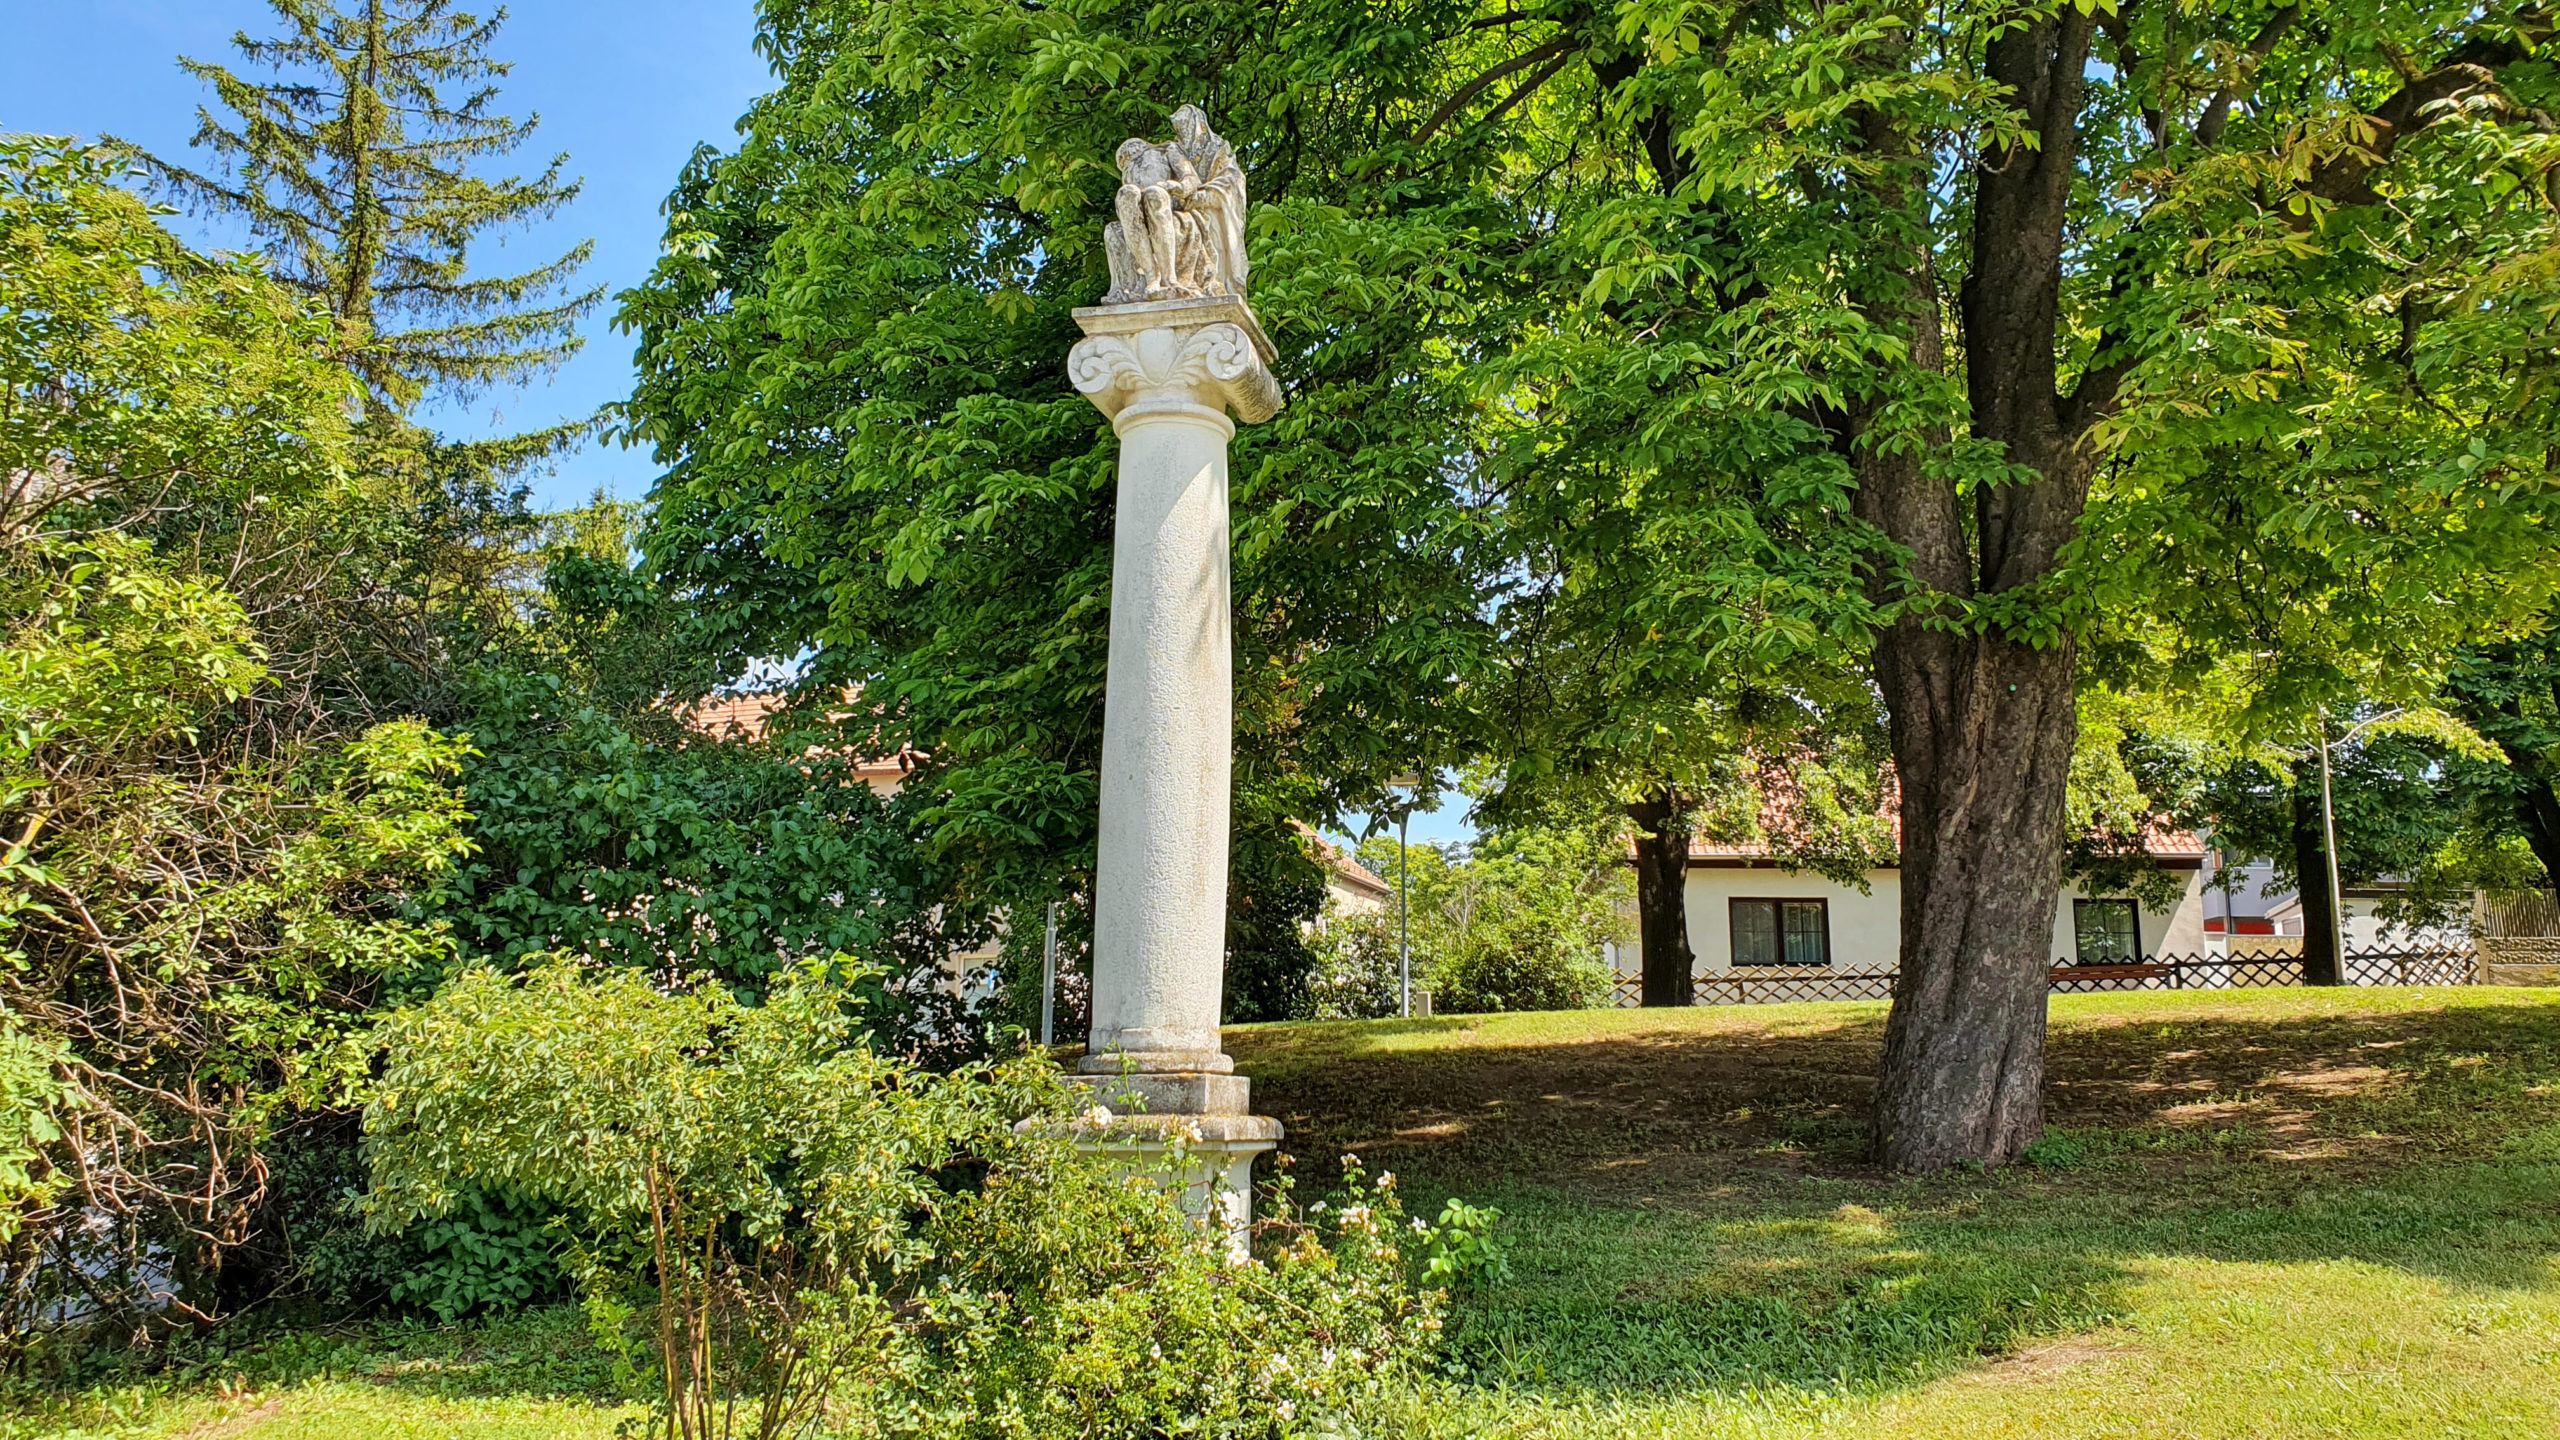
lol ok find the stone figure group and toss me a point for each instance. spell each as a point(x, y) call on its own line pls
point(1180, 235)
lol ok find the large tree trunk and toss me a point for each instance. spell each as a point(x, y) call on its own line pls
point(2320, 959)
point(2538, 811)
point(1982, 718)
point(1983, 730)
point(1662, 901)
point(2537, 806)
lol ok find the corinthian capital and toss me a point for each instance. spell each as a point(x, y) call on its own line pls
point(1216, 366)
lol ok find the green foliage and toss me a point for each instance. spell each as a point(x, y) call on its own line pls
point(485, 1252)
point(646, 846)
point(195, 930)
point(353, 166)
point(206, 382)
point(603, 822)
point(1520, 962)
point(30, 1090)
point(1276, 892)
point(1356, 975)
point(2054, 1152)
point(796, 1221)
point(208, 831)
point(1464, 1253)
point(1518, 925)
point(2510, 695)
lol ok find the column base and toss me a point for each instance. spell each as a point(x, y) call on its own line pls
point(1216, 1175)
point(1201, 1110)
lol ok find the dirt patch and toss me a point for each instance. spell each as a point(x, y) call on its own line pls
point(2044, 1361)
point(230, 1427)
point(2337, 1080)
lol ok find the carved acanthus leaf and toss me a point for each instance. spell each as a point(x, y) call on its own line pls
point(1212, 365)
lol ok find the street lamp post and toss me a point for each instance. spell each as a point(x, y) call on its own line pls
point(1412, 786)
point(1049, 980)
point(2329, 835)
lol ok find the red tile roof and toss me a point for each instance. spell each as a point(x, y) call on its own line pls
point(746, 717)
point(1780, 814)
point(2159, 841)
point(1339, 863)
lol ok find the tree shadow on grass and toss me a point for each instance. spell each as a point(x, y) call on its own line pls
point(543, 1353)
point(1613, 1300)
point(1696, 1210)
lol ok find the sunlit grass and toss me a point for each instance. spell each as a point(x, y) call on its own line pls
point(524, 1377)
point(2267, 1214)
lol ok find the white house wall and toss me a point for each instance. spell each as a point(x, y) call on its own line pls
point(1866, 929)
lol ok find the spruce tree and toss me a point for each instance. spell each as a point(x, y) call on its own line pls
point(352, 164)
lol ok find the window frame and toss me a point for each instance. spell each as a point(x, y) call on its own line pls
point(1778, 918)
point(2132, 907)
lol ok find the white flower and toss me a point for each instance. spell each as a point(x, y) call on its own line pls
point(1286, 1409)
point(1098, 1115)
point(1316, 1209)
point(1386, 1178)
point(1418, 1227)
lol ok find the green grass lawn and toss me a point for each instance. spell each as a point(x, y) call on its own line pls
point(2262, 1214)
point(2267, 1214)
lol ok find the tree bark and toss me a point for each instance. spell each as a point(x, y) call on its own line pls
point(2538, 812)
point(2537, 806)
point(2321, 964)
point(1982, 718)
point(1662, 902)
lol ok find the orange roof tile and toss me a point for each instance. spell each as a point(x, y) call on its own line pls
point(1341, 864)
point(1779, 815)
point(746, 717)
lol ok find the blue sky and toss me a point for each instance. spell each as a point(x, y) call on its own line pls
point(627, 87)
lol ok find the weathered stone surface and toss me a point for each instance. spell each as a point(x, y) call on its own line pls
point(1139, 360)
point(1175, 358)
point(1181, 205)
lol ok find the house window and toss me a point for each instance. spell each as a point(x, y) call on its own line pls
point(1781, 932)
point(2106, 932)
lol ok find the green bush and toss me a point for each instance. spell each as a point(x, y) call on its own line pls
point(780, 1229)
point(1356, 975)
point(1519, 924)
point(1526, 965)
point(489, 1251)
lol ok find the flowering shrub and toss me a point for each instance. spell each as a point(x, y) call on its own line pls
point(782, 1231)
point(1356, 974)
point(1113, 1315)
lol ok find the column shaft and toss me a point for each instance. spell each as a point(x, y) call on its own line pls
point(1160, 901)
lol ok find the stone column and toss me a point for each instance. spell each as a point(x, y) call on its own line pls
point(1169, 373)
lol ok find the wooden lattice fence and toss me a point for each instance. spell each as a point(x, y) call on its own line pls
point(2413, 965)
